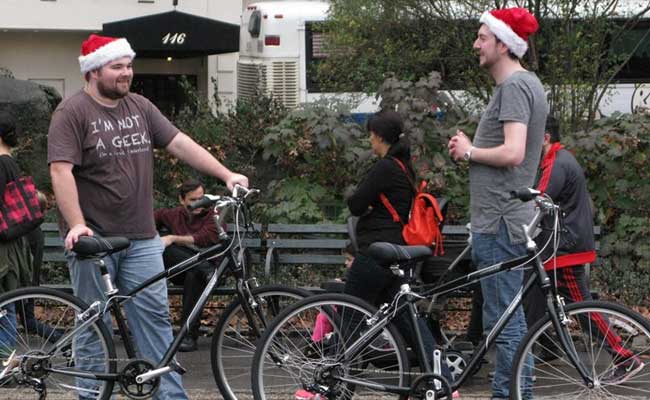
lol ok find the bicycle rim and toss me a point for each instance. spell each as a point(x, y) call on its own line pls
point(233, 340)
point(612, 342)
point(36, 355)
point(299, 354)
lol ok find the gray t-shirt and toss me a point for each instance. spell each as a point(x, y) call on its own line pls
point(520, 98)
point(112, 153)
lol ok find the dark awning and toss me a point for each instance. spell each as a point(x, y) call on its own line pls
point(176, 34)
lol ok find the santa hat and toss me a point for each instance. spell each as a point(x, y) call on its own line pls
point(97, 51)
point(512, 26)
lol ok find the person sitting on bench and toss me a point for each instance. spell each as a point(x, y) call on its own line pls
point(187, 231)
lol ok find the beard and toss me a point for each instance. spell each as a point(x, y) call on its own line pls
point(112, 93)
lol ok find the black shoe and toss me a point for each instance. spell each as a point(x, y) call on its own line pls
point(188, 344)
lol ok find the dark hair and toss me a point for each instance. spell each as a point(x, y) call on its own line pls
point(388, 125)
point(8, 132)
point(511, 55)
point(553, 128)
point(189, 186)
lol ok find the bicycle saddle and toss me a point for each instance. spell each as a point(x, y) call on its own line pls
point(384, 252)
point(89, 246)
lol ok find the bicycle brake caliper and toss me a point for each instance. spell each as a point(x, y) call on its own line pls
point(563, 318)
point(94, 308)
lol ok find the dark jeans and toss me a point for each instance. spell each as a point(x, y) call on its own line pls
point(377, 285)
point(193, 281)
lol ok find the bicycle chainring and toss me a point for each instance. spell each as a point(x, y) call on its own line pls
point(424, 387)
point(136, 390)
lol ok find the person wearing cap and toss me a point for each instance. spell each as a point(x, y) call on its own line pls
point(100, 151)
point(502, 157)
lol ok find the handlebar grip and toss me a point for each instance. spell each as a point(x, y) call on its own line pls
point(204, 202)
point(526, 194)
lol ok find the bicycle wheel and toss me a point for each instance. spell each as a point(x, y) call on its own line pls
point(611, 341)
point(41, 349)
point(234, 340)
point(302, 353)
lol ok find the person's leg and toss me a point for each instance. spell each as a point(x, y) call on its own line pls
point(498, 291)
point(475, 328)
point(173, 255)
point(534, 302)
point(89, 287)
point(195, 283)
point(148, 311)
point(7, 332)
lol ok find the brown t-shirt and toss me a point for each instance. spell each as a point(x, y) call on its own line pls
point(112, 153)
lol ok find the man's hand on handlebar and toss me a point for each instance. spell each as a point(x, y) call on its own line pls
point(74, 233)
point(234, 179)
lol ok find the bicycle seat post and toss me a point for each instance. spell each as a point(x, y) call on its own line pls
point(109, 289)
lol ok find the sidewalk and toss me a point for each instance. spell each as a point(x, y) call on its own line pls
point(200, 385)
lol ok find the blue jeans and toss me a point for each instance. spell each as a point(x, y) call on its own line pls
point(498, 291)
point(147, 313)
point(7, 331)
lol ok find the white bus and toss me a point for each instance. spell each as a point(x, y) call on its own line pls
point(278, 52)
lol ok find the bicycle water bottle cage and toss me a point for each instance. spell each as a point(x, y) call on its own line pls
point(96, 247)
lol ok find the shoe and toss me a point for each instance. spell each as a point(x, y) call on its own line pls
point(188, 344)
point(623, 371)
point(303, 394)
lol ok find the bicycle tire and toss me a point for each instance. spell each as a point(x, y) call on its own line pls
point(232, 347)
point(607, 337)
point(55, 314)
point(307, 362)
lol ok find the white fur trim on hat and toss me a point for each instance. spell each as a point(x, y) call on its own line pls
point(105, 54)
point(501, 30)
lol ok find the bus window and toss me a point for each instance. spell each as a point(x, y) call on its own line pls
point(255, 23)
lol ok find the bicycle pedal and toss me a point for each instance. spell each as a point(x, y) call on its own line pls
point(178, 367)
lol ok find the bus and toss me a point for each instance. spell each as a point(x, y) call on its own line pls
point(279, 51)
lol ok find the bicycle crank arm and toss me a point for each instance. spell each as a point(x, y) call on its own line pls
point(147, 376)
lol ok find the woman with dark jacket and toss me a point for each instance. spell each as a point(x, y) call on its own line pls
point(366, 279)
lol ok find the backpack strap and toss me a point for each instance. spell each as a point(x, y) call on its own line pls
point(390, 208)
point(384, 200)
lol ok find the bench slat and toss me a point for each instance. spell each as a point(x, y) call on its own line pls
point(321, 259)
point(307, 243)
point(307, 228)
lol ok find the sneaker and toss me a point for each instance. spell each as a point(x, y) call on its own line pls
point(623, 371)
point(188, 344)
point(303, 394)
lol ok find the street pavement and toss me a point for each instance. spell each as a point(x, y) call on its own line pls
point(200, 385)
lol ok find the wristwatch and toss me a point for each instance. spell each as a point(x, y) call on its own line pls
point(468, 154)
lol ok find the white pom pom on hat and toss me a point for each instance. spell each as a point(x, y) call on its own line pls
point(512, 26)
point(97, 51)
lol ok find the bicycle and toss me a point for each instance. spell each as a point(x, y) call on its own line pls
point(40, 362)
point(365, 356)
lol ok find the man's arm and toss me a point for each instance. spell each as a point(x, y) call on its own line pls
point(183, 240)
point(67, 200)
point(510, 154)
point(186, 149)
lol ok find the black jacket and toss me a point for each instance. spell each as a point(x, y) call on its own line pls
point(567, 187)
point(375, 223)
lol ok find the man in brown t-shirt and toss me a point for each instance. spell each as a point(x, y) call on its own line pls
point(100, 151)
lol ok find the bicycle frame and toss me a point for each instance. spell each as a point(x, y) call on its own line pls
point(387, 313)
point(232, 261)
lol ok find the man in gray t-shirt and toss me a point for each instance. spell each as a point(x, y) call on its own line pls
point(503, 157)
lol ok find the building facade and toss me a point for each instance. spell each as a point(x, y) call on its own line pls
point(40, 41)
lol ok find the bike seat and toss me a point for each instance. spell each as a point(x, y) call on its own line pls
point(89, 246)
point(384, 252)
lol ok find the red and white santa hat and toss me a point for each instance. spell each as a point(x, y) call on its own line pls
point(97, 51)
point(512, 26)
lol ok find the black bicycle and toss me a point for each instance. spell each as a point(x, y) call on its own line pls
point(599, 349)
point(37, 362)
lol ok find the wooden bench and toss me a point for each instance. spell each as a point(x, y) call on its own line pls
point(53, 253)
point(287, 244)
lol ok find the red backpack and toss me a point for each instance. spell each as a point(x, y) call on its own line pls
point(423, 226)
